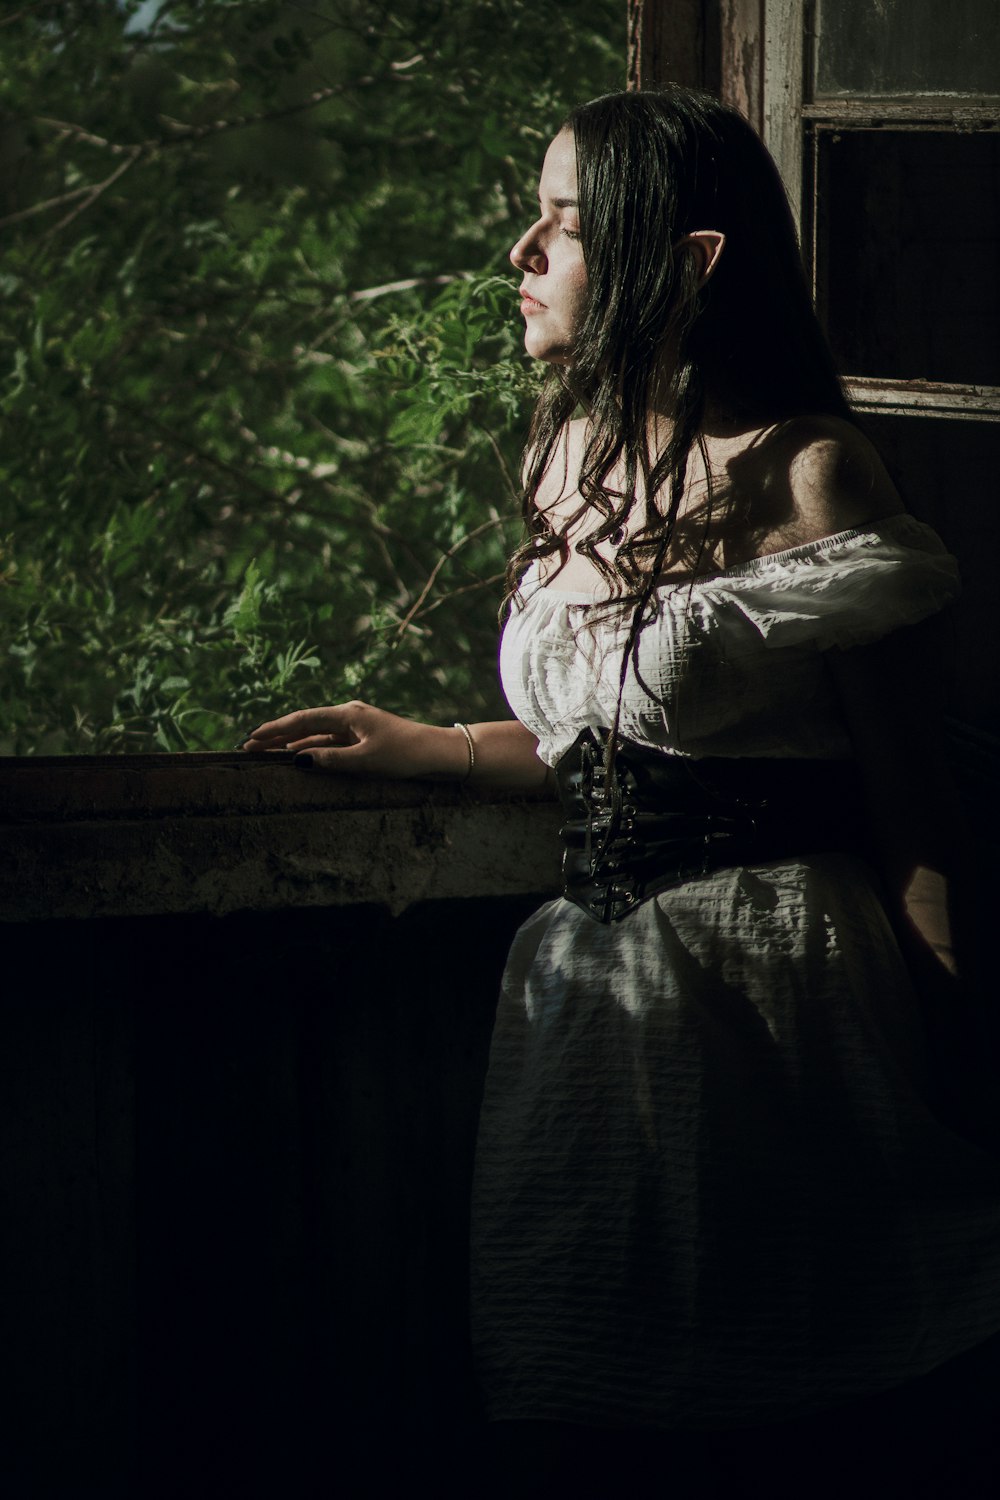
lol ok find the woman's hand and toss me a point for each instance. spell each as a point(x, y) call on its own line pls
point(354, 738)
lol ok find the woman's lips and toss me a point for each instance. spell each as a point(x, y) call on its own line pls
point(531, 304)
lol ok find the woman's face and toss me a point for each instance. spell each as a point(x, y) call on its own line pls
point(554, 289)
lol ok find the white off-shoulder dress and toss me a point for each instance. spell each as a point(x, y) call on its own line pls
point(708, 1190)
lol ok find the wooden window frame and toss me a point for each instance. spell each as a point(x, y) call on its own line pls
point(792, 124)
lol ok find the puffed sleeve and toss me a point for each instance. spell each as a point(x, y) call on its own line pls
point(845, 590)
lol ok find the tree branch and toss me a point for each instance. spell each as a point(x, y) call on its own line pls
point(181, 133)
point(498, 455)
point(64, 127)
point(93, 195)
point(90, 192)
point(179, 440)
point(446, 557)
point(466, 588)
point(218, 127)
point(41, 208)
point(369, 293)
point(25, 10)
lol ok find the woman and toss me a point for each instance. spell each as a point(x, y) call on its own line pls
point(709, 1193)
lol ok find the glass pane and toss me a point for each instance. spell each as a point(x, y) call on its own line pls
point(880, 47)
point(908, 241)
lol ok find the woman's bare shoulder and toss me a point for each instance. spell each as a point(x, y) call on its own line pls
point(836, 479)
point(811, 477)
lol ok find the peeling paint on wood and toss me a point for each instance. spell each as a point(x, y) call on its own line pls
point(904, 114)
point(741, 64)
point(666, 43)
point(925, 398)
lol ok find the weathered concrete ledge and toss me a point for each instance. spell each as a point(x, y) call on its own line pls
point(109, 836)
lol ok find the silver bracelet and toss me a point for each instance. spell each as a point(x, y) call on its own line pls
point(472, 749)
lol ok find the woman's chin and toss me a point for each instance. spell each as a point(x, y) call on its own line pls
point(544, 349)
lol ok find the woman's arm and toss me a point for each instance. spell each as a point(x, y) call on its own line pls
point(890, 699)
point(357, 739)
point(893, 711)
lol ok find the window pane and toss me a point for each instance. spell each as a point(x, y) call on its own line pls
point(880, 47)
point(908, 230)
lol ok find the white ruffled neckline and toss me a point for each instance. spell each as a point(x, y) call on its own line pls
point(886, 529)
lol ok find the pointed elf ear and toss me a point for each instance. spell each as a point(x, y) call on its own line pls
point(708, 246)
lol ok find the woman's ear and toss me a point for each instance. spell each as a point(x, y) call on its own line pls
point(708, 246)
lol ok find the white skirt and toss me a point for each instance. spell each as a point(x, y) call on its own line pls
point(708, 1191)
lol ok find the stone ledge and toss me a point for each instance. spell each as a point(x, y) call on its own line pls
point(54, 788)
point(88, 837)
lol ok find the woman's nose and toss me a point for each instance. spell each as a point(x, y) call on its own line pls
point(527, 254)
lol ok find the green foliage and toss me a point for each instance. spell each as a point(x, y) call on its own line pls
point(262, 393)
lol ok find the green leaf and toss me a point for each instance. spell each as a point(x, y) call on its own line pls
point(210, 446)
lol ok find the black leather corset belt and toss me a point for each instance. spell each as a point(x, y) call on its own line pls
point(657, 819)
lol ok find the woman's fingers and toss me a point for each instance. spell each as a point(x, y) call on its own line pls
point(329, 724)
point(321, 741)
point(359, 739)
point(345, 758)
point(307, 742)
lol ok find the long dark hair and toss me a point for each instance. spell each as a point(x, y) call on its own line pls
point(652, 167)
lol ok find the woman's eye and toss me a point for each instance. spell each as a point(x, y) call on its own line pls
point(572, 234)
